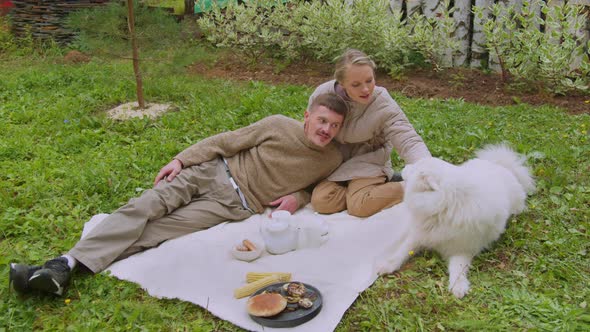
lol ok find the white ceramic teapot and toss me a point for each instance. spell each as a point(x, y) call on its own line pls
point(278, 234)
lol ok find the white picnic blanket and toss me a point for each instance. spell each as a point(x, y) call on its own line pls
point(200, 268)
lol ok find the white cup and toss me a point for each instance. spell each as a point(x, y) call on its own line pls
point(310, 237)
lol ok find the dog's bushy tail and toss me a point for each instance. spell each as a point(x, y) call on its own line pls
point(503, 155)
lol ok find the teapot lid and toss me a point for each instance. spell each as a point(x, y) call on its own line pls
point(276, 226)
point(280, 214)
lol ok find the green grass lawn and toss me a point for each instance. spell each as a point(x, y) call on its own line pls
point(62, 161)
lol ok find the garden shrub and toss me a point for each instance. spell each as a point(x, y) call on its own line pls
point(325, 29)
point(432, 37)
point(6, 38)
point(10, 45)
point(255, 28)
point(25, 45)
point(556, 59)
point(334, 26)
point(322, 30)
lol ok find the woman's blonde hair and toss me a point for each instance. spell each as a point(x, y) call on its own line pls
point(350, 57)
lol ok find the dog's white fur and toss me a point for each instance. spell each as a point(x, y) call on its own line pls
point(459, 210)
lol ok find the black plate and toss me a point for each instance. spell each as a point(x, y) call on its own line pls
point(295, 317)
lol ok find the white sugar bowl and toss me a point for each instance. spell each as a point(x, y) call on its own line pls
point(247, 255)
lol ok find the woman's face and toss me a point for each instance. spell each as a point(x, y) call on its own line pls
point(359, 83)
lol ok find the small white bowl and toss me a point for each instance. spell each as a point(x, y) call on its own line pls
point(247, 256)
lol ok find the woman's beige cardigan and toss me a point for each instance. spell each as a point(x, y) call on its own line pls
point(370, 133)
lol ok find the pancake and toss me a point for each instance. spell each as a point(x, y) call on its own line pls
point(266, 304)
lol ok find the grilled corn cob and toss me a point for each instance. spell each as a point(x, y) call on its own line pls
point(250, 288)
point(253, 276)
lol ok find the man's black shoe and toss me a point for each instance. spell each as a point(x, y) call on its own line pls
point(396, 177)
point(19, 276)
point(52, 278)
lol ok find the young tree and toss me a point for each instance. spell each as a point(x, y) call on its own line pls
point(121, 30)
point(135, 52)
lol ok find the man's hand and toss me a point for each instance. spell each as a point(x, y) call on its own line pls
point(169, 171)
point(287, 203)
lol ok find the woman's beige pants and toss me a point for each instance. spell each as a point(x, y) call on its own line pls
point(362, 197)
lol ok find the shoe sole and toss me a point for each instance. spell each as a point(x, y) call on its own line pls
point(18, 277)
point(44, 282)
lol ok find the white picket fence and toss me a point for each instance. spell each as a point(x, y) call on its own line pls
point(468, 28)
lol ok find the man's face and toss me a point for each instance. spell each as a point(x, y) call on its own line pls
point(321, 125)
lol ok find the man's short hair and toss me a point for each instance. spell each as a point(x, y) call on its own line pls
point(331, 101)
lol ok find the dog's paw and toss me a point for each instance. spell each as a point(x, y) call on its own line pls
point(459, 288)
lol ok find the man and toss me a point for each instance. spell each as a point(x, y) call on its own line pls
point(229, 176)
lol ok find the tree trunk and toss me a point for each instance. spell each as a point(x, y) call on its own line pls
point(131, 25)
point(189, 7)
point(462, 17)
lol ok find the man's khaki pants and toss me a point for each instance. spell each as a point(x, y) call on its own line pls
point(362, 197)
point(198, 198)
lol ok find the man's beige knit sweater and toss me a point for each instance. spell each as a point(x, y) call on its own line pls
point(268, 159)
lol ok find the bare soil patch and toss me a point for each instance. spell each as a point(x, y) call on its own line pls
point(470, 85)
point(74, 56)
point(131, 110)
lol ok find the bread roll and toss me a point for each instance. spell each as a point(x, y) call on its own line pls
point(248, 244)
point(266, 304)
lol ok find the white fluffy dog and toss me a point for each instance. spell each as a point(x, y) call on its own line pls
point(459, 210)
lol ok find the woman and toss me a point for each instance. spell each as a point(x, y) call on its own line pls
point(374, 126)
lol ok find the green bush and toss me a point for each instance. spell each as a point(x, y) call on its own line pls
point(334, 26)
point(323, 30)
point(290, 30)
point(25, 44)
point(6, 39)
point(432, 37)
point(255, 28)
point(556, 60)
